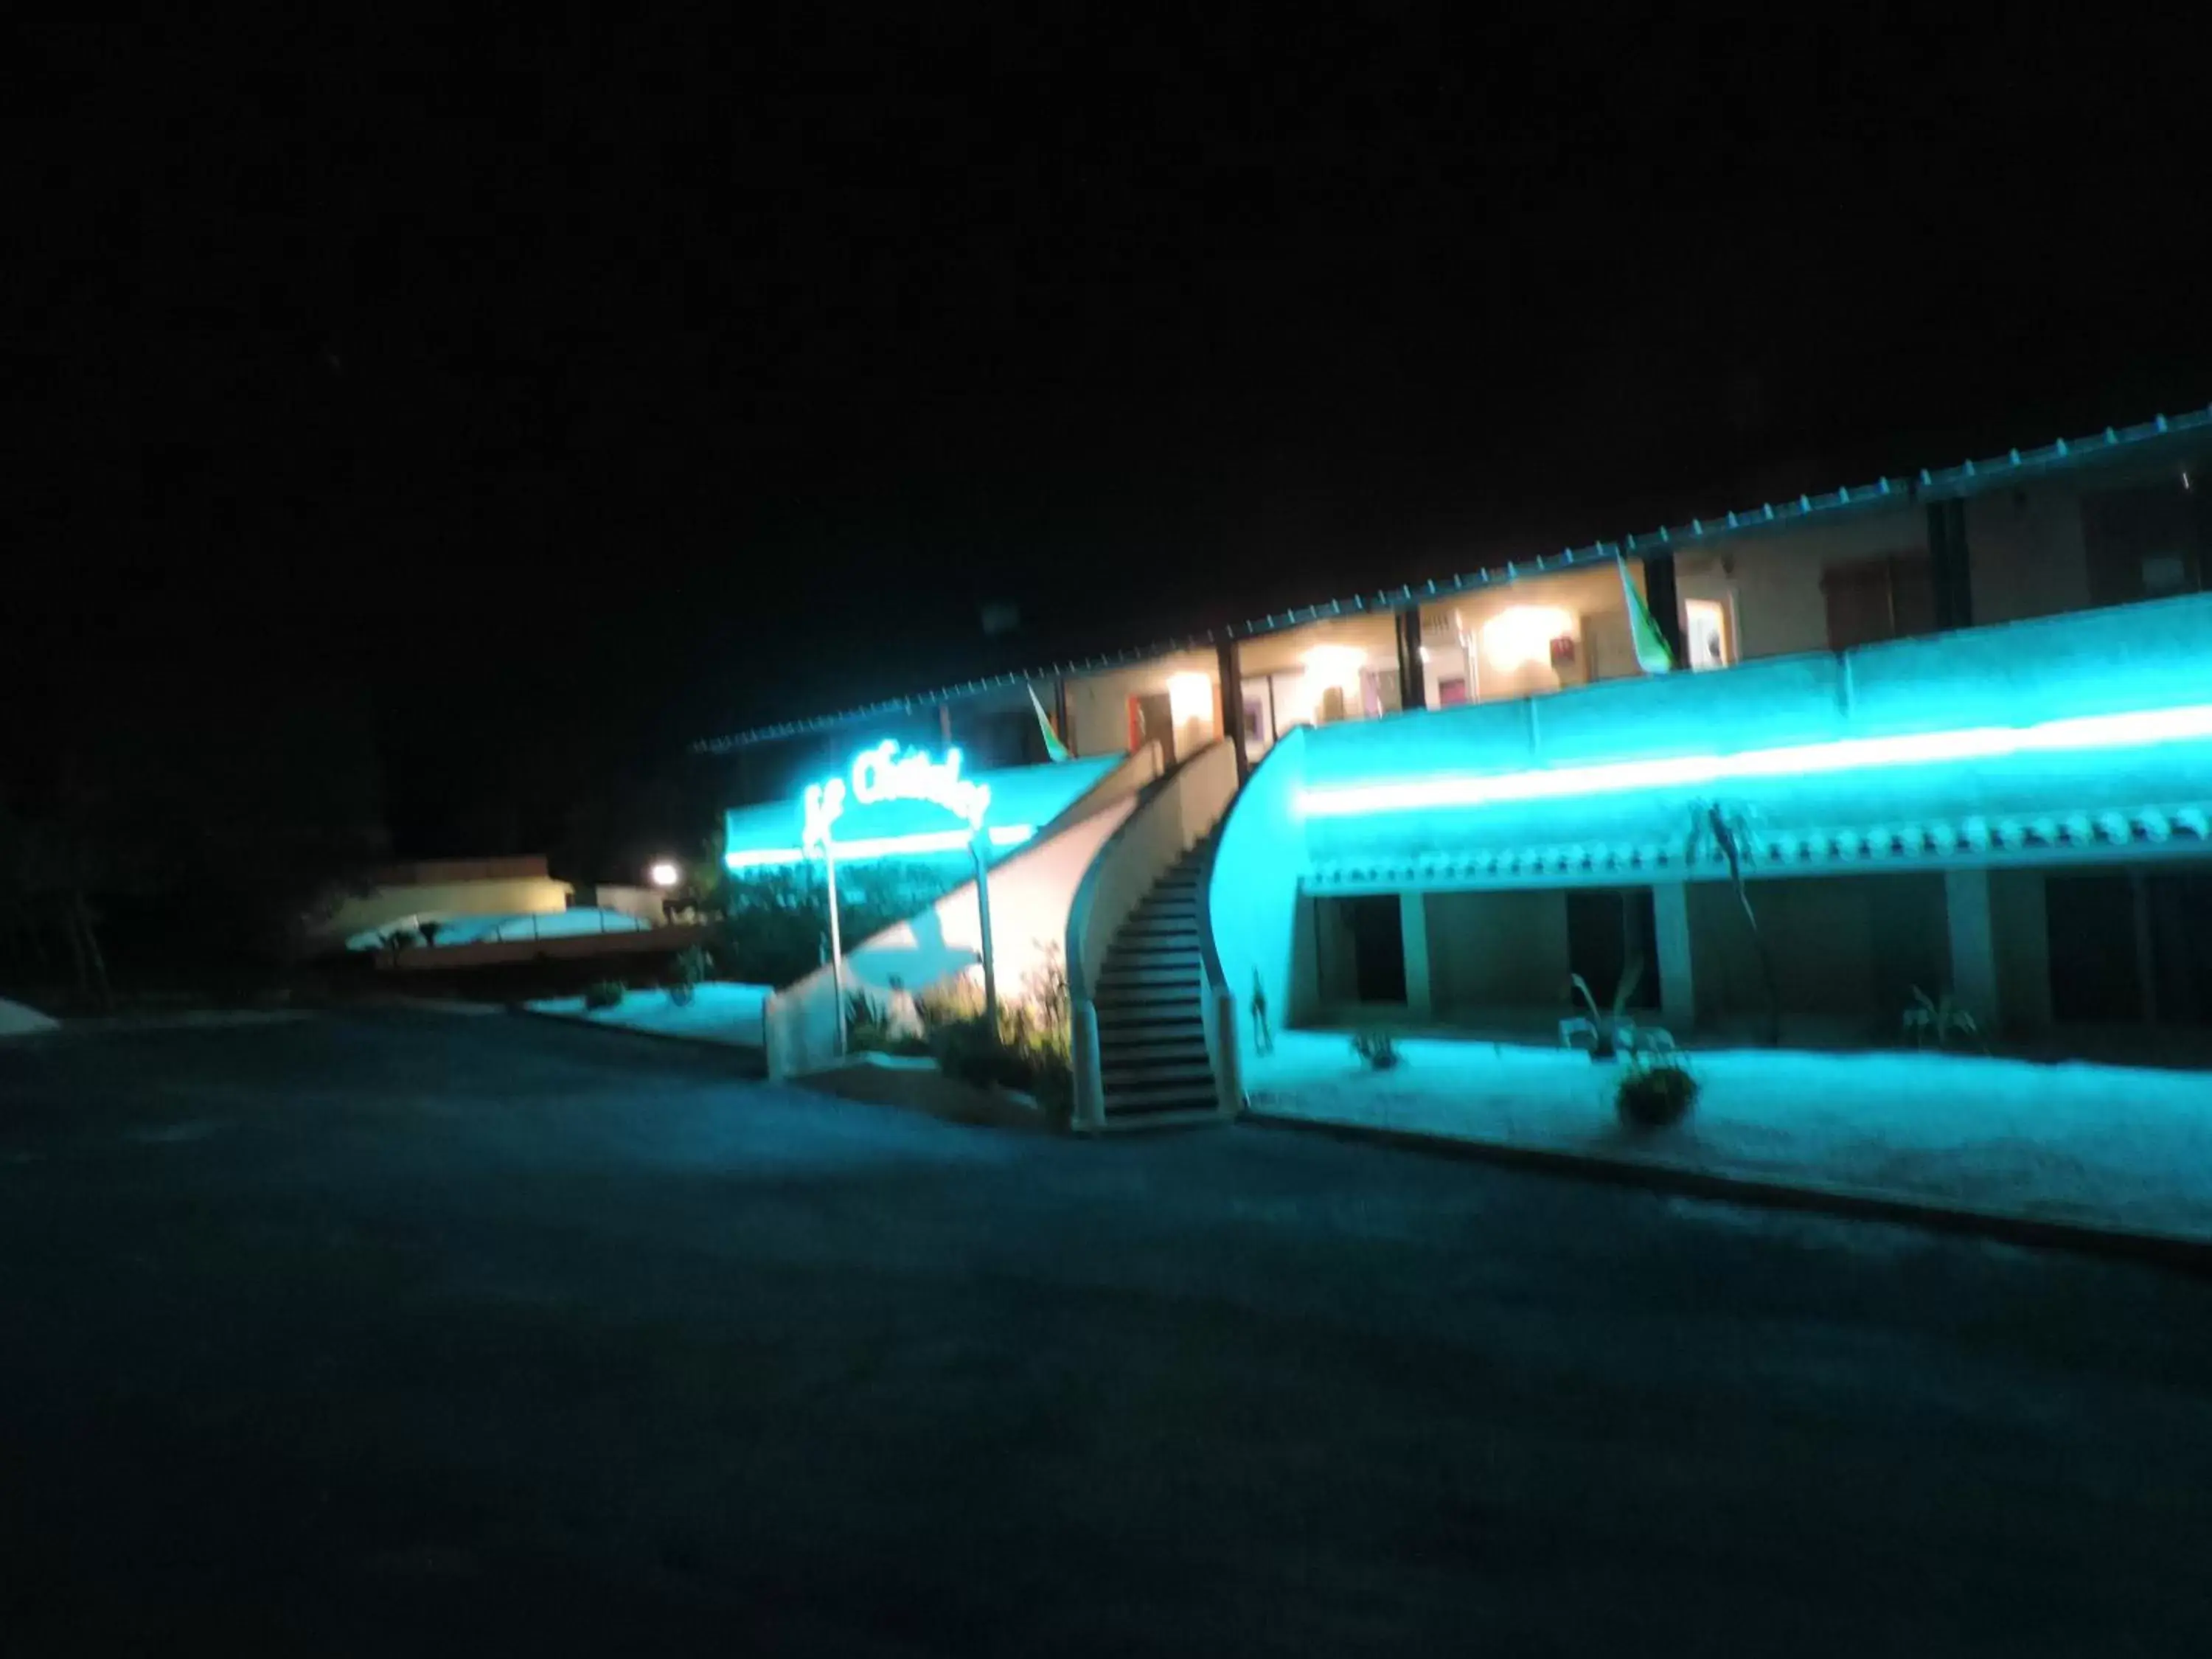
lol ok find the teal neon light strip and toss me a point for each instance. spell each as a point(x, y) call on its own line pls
point(884, 847)
point(2181, 724)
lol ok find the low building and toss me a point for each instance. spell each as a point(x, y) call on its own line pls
point(438, 889)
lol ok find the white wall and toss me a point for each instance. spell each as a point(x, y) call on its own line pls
point(1597, 616)
point(1780, 607)
point(1253, 899)
point(1505, 950)
point(2026, 552)
point(1098, 704)
point(646, 903)
point(521, 896)
point(2022, 929)
point(1845, 948)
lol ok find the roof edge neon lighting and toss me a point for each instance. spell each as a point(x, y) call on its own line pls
point(883, 846)
point(2145, 729)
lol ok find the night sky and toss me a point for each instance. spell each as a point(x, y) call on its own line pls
point(539, 422)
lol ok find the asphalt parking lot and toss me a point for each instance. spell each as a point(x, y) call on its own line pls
point(339, 1334)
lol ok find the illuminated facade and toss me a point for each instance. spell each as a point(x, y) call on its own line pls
point(1949, 733)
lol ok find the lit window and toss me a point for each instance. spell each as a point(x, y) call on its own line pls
point(1190, 698)
point(1521, 634)
point(1706, 623)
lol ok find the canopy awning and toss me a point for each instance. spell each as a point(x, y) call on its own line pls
point(2166, 831)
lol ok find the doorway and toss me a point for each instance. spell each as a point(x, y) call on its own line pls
point(1360, 943)
point(1612, 935)
point(1151, 719)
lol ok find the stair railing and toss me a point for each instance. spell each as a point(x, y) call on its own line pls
point(1174, 815)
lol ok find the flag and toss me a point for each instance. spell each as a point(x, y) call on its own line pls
point(1054, 749)
point(1652, 653)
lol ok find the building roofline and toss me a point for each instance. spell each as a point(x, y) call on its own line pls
point(1967, 478)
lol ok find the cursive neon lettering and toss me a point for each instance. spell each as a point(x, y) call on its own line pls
point(883, 773)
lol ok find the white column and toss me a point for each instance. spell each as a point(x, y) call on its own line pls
point(1089, 1088)
point(1414, 931)
point(2022, 927)
point(1678, 984)
point(1976, 968)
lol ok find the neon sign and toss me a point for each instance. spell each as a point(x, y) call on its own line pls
point(2147, 729)
point(883, 773)
point(921, 845)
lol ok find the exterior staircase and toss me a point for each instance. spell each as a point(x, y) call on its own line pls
point(1150, 995)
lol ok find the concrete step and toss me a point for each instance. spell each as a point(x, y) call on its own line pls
point(1167, 1051)
point(1167, 971)
point(1158, 932)
point(1183, 944)
point(1169, 1018)
point(1132, 1103)
point(1142, 924)
point(1154, 999)
point(1197, 1079)
point(1137, 1123)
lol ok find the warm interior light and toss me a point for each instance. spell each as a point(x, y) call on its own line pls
point(1707, 630)
point(1190, 698)
point(1327, 666)
point(1522, 634)
point(1335, 664)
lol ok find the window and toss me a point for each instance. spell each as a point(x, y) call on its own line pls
point(2144, 544)
point(1869, 600)
point(1705, 634)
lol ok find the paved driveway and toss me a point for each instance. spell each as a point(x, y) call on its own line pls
point(419, 1333)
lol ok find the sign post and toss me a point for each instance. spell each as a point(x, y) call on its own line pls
point(836, 944)
point(984, 921)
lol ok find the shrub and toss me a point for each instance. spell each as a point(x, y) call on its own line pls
point(1044, 989)
point(1377, 1050)
point(1606, 1029)
point(691, 965)
point(968, 1050)
point(1658, 1090)
point(1940, 1017)
point(772, 925)
point(867, 1028)
point(950, 1002)
point(1035, 1064)
point(603, 993)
